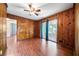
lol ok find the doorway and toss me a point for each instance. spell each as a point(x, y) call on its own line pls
point(11, 36)
point(11, 27)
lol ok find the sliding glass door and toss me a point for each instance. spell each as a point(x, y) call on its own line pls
point(52, 30)
point(44, 30)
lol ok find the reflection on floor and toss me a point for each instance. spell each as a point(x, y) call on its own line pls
point(34, 47)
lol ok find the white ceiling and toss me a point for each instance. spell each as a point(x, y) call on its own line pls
point(47, 9)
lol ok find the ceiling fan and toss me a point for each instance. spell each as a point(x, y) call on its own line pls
point(32, 10)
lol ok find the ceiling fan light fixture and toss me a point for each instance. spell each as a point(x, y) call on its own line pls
point(32, 13)
point(32, 9)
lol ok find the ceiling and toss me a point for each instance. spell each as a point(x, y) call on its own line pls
point(47, 9)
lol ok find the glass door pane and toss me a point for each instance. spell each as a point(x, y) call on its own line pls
point(44, 30)
point(52, 30)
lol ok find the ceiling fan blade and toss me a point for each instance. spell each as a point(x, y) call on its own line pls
point(26, 10)
point(36, 14)
point(38, 10)
point(20, 6)
point(30, 5)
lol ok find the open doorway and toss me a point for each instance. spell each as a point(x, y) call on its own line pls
point(11, 27)
point(52, 30)
point(11, 30)
point(11, 36)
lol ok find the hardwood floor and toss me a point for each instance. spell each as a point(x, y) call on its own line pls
point(35, 47)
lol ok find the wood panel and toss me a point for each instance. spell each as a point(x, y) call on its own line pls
point(60, 26)
point(3, 14)
point(37, 29)
point(77, 29)
point(66, 27)
point(25, 27)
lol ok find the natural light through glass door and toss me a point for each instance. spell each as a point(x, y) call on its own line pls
point(52, 30)
point(44, 30)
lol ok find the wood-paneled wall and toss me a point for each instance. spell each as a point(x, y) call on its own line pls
point(37, 29)
point(66, 25)
point(66, 31)
point(77, 29)
point(3, 14)
point(25, 27)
